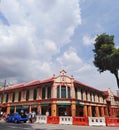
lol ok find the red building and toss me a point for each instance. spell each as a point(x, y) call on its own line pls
point(58, 96)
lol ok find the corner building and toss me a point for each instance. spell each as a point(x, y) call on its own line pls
point(59, 95)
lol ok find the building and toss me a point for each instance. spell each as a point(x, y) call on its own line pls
point(59, 96)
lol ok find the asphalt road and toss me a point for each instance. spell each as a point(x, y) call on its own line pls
point(37, 126)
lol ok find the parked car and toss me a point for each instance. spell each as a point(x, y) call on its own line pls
point(17, 118)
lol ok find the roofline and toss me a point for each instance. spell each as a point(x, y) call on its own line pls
point(80, 83)
point(23, 85)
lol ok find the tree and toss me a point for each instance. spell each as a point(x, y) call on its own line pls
point(106, 55)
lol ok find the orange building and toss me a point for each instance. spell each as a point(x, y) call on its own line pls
point(58, 96)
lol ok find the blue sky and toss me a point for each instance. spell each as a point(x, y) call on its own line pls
point(40, 38)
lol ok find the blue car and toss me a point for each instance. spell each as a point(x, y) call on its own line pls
point(17, 118)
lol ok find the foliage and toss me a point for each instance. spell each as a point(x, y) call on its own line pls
point(106, 55)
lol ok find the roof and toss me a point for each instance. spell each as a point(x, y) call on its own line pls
point(80, 83)
point(22, 85)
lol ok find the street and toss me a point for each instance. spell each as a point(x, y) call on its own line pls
point(37, 126)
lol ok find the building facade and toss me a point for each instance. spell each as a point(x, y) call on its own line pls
point(59, 96)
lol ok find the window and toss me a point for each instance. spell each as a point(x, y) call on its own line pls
point(94, 97)
point(69, 96)
point(27, 95)
point(81, 94)
point(91, 97)
point(63, 92)
point(49, 92)
point(76, 92)
point(86, 95)
point(7, 97)
point(35, 94)
point(13, 96)
point(98, 98)
point(43, 93)
point(58, 91)
point(19, 96)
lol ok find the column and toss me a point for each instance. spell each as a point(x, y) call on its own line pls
point(106, 111)
point(8, 109)
point(53, 109)
point(102, 111)
point(39, 109)
point(73, 109)
point(29, 108)
point(89, 111)
point(85, 111)
point(14, 109)
point(97, 111)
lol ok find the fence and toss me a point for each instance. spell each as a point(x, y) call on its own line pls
point(97, 121)
point(80, 121)
point(84, 121)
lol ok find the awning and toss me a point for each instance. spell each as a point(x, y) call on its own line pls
point(45, 104)
point(19, 107)
point(12, 107)
point(79, 104)
point(63, 104)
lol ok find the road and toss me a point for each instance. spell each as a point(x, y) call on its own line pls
point(28, 126)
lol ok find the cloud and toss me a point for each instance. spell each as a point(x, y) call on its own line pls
point(36, 33)
point(69, 59)
point(87, 40)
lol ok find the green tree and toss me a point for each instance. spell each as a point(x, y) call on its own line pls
point(106, 55)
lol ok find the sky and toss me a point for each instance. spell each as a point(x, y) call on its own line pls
point(39, 38)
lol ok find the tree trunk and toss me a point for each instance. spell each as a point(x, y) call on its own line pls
point(117, 78)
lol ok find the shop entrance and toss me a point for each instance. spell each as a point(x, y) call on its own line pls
point(93, 111)
point(62, 111)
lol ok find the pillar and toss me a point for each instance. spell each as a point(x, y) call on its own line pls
point(97, 111)
point(30, 109)
point(73, 109)
point(85, 111)
point(8, 109)
point(102, 112)
point(14, 109)
point(106, 111)
point(53, 109)
point(89, 111)
point(39, 109)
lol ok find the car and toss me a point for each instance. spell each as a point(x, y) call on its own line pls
point(17, 118)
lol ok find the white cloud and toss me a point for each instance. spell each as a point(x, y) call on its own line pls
point(36, 32)
point(69, 59)
point(87, 40)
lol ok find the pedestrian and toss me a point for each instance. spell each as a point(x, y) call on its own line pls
point(30, 117)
